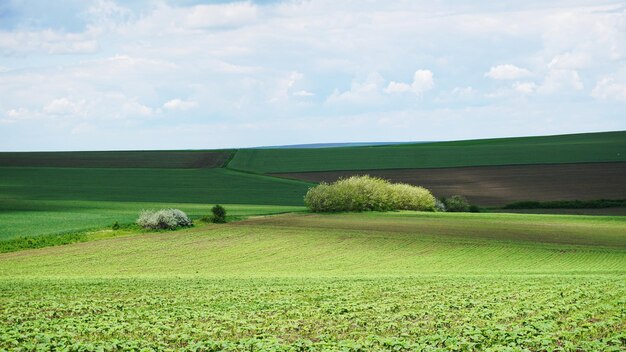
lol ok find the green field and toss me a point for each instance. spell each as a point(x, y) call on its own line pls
point(179, 159)
point(204, 186)
point(577, 148)
point(31, 218)
point(46, 200)
point(396, 281)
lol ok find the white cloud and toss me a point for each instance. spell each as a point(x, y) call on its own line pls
point(559, 81)
point(360, 92)
point(65, 106)
point(570, 61)
point(303, 93)
point(507, 71)
point(178, 104)
point(47, 41)
point(221, 15)
point(608, 88)
point(133, 108)
point(284, 86)
point(422, 82)
point(525, 87)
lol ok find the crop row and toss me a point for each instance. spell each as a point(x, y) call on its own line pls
point(432, 313)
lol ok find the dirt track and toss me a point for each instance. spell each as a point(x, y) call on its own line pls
point(499, 185)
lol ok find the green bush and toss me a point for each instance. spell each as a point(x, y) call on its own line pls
point(219, 214)
point(163, 219)
point(363, 193)
point(456, 204)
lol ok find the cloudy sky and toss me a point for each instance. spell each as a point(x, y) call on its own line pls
point(97, 75)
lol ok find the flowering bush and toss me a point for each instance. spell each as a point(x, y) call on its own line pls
point(163, 219)
point(361, 193)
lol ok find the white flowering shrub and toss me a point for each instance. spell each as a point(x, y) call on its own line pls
point(362, 193)
point(163, 219)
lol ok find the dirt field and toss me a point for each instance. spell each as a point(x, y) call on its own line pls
point(500, 185)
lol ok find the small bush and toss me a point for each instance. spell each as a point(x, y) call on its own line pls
point(439, 206)
point(363, 193)
point(456, 204)
point(219, 214)
point(474, 209)
point(116, 226)
point(163, 219)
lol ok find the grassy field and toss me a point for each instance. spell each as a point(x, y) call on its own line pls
point(396, 281)
point(578, 148)
point(204, 186)
point(31, 218)
point(119, 159)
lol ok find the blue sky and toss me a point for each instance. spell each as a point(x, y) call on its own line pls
point(101, 75)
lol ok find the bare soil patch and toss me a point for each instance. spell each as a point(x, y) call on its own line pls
point(500, 185)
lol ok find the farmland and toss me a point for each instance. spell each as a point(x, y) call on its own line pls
point(400, 281)
point(395, 281)
point(578, 148)
point(500, 185)
point(119, 159)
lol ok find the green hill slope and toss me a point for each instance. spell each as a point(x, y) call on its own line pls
point(355, 282)
point(577, 148)
point(370, 244)
point(148, 185)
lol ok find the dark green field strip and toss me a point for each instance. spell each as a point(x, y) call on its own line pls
point(501, 185)
point(580, 148)
point(149, 185)
point(118, 159)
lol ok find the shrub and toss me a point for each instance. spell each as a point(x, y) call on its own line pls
point(219, 214)
point(362, 193)
point(116, 226)
point(456, 204)
point(439, 206)
point(163, 219)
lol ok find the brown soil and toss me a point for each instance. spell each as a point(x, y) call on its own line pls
point(500, 185)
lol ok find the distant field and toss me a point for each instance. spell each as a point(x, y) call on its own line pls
point(578, 148)
point(119, 159)
point(203, 186)
point(500, 185)
point(357, 282)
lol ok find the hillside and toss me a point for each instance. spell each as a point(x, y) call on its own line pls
point(394, 281)
point(577, 148)
point(369, 244)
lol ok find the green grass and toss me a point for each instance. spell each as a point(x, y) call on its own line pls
point(356, 282)
point(578, 148)
point(204, 186)
point(370, 244)
point(119, 159)
point(31, 218)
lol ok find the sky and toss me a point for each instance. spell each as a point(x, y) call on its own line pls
point(126, 75)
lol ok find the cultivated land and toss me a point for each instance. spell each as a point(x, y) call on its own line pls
point(500, 185)
point(401, 281)
point(119, 159)
point(577, 148)
point(394, 281)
